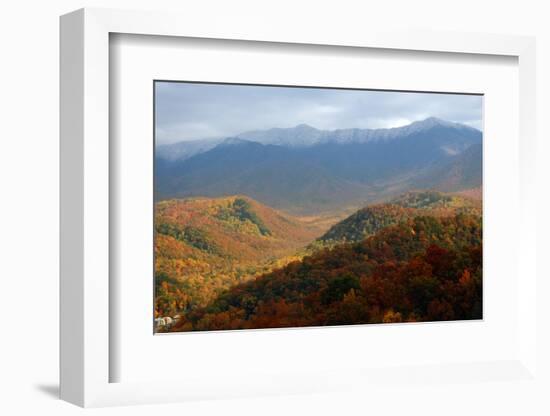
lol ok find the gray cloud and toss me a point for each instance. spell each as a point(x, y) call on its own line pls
point(191, 111)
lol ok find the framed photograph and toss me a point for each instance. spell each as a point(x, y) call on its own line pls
point(310, 204)
point(280, 206)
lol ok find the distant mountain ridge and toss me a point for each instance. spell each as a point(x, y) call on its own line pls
point(304, 135)
point(304, 170)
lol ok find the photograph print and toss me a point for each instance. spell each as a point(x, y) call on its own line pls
point(286, 206)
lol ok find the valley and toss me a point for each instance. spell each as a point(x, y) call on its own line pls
point(233, 262)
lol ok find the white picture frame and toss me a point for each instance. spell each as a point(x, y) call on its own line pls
point(85, 210)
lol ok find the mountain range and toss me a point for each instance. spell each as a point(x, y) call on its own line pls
point(304, 170)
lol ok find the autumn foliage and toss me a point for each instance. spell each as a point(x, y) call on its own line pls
point(417, 268)
point(204, 246)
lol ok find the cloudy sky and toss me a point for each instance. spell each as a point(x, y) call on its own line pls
point(188, 111)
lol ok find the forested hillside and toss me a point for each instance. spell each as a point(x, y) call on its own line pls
point(423, 269)
point(369, 220)
point(203, 246)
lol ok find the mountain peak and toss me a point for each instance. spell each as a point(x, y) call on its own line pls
point(433, 119)
point(302, 135)
point(304, 126)
point(231, 141)
point(436, 122)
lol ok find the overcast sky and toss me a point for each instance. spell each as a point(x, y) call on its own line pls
point(187, 111)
